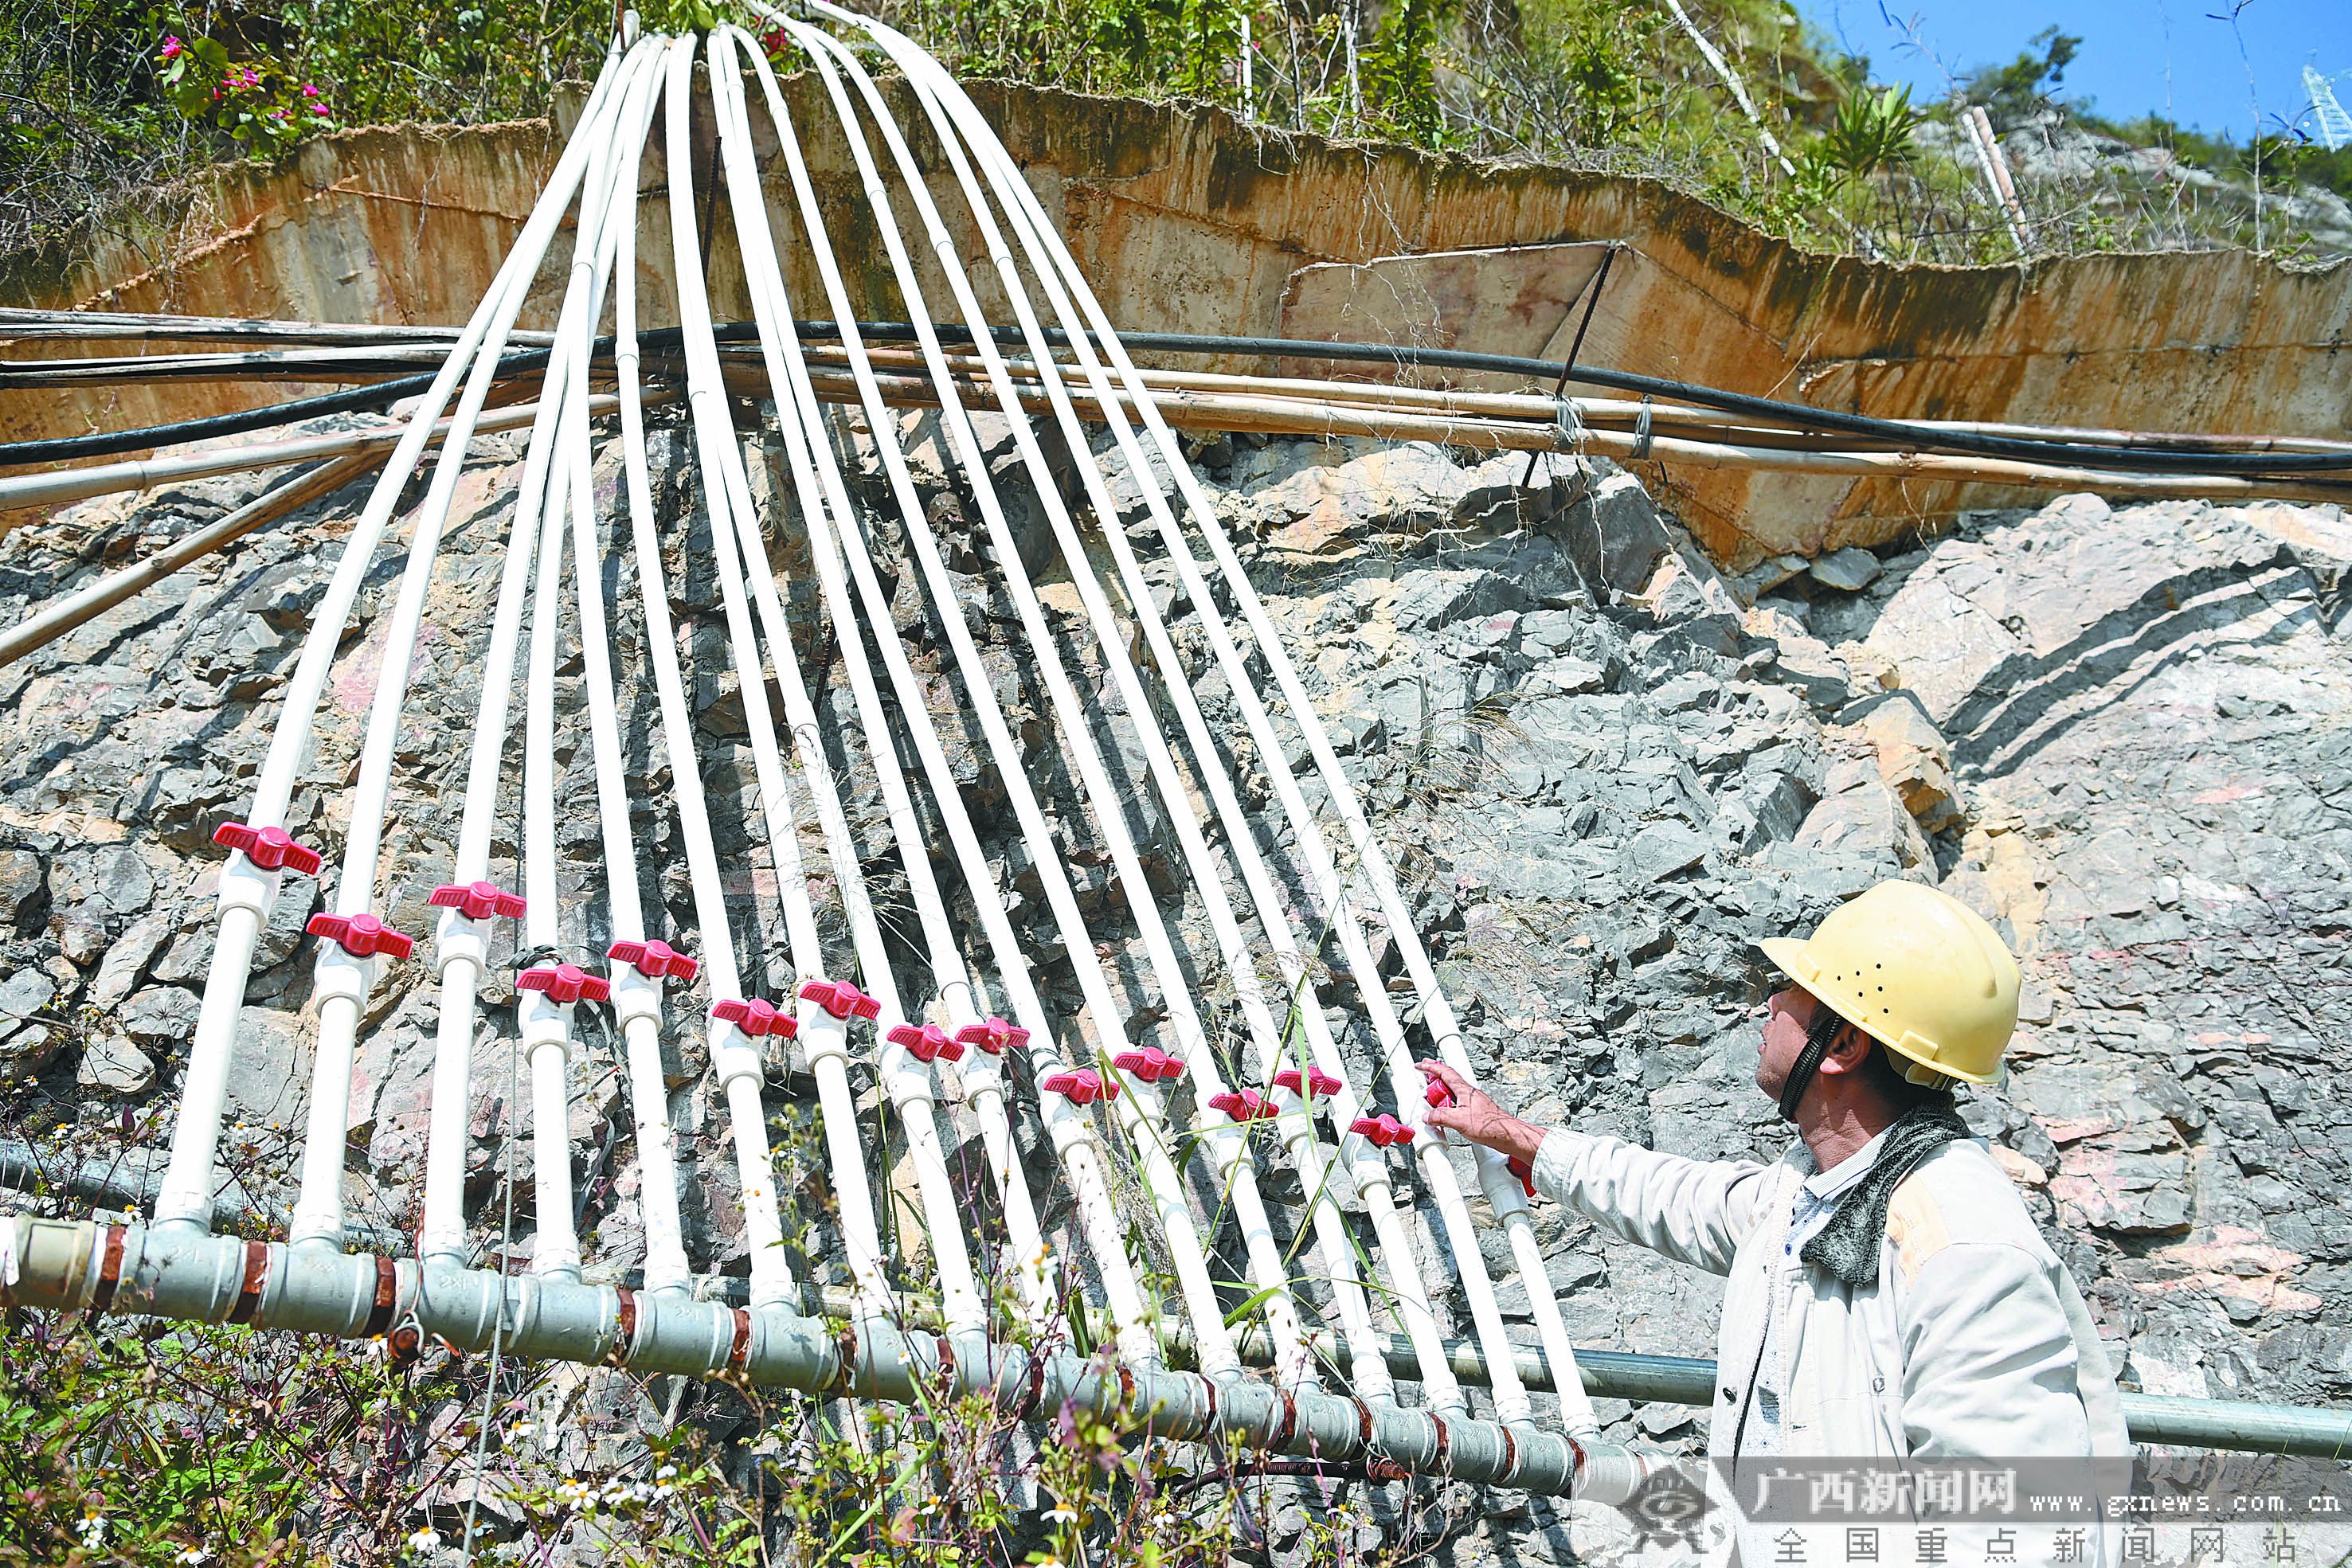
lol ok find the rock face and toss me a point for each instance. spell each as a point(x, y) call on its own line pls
point(1601, 770)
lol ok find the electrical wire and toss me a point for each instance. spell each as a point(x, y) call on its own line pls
point(2158, 456)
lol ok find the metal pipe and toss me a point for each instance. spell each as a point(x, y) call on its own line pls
point(2227, 1425)
point(130, 1180)
point(126, 1269)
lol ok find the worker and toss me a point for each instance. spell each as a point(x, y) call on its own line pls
point(1887, 1293)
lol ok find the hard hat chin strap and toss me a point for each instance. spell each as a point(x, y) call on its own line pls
point(1819, 1037)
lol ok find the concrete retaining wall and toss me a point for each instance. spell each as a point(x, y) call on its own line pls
point(1189, 221)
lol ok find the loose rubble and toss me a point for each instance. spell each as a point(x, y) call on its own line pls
point(1603, 767)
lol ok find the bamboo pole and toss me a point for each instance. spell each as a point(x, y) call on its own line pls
point(337, 364)
point(24, 325)
point(25, 490)
point(1301, 416)
point(55, 622)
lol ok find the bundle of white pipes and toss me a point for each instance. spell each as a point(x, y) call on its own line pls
point(1159, 1126)
point(1172, 1119)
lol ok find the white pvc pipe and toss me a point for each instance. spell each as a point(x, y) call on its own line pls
point(247, 891)
point(903, 1076)
point(461, 941)
point(1296, 1124)
point(1228, 1142)
point(737, 1065)
point(637, 997)
point(824, 493)
point(544, 1019)
point(1137, 1109)
point(1501, 1188)
point(543, 1023)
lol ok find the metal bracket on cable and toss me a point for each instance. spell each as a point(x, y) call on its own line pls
point(1642, 431)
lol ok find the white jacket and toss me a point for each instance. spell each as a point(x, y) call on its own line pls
point(1974, 1342)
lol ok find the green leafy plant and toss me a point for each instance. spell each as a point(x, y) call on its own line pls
point(1873, 133)
point(259, 104)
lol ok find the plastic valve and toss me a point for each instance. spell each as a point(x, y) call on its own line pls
point(995, 1037)
point(477, 900)
point(564, 983)
point(1316, 1083)
point(269, 847)
point(842, 1000)
point(928, 1043)
point(361, 936)
point(758, 1018)
point(1082, 1087)
point(1437, 1095)
point(1524, 1170)
point(1383, 1131)
point(1151, 1064)
point(654, 959)
point(1244, 1105)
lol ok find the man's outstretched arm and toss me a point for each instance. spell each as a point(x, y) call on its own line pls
point(1696, 1211)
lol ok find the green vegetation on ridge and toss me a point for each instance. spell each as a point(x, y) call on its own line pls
point(105, 109)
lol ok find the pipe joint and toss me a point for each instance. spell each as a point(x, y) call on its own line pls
point(543, 1024)
point(247, 886)
point(635, 996)
point(340, 977)
point(457, 936)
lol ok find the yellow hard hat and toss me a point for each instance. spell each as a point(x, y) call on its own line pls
point(1918, 971)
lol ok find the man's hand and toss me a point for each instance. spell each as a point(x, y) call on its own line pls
point(1474, 1115)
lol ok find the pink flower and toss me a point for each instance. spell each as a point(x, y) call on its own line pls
point(280, 113)
point(310, 91)
point(321, 109)
point(173, 47)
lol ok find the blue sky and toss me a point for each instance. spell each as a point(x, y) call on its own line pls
point(2137, 56)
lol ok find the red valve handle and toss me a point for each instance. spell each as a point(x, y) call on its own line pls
point(1152, 1064)
point(564, 983)
point(361, 936)
point(842, 1000)
point(1244, 1105)
point(1081, 1087)
point(269, 847)
point(1316, 1081)
point(1383, 1131)
point(477, 900)
point(993, 1036)
point(758, 1018)
point(928, 1043)
point(653, 959)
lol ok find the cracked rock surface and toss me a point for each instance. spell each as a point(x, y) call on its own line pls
point(1602, 768)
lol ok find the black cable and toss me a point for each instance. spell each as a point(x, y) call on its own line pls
point(114, 444)
point(1915, 437)
point(2148, 459)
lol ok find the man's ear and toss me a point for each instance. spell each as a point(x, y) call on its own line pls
point(1849, 1050)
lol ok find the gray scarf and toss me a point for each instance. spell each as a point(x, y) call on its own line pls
point(1847, 1246)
